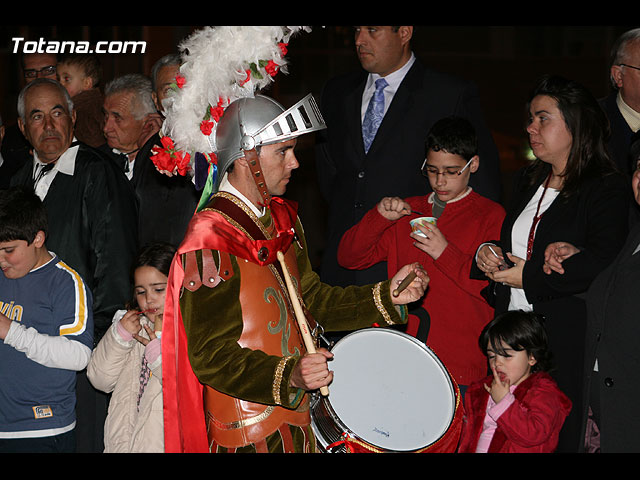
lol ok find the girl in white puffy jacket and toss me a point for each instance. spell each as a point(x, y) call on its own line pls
point(128, 362)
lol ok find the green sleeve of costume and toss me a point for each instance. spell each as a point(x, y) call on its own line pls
point(213, 324)
point(349, 308)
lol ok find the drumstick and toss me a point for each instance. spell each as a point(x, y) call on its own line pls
point(302, 321)
point(405, 283)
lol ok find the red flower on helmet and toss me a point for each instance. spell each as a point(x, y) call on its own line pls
point(168, 159)
point(217, 111)
point(272, 68)
point(206, 127)
point(180, 81)
point(248, 72)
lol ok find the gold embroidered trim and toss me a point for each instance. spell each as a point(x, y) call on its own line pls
point(277, 379)
point(242, 423)
point(240, 204)
point(377, 298)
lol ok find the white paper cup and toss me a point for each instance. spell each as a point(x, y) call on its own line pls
point(421, 221)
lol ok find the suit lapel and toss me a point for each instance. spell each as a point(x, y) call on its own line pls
point(605, 282)
point(632, 242)
point(398, 108)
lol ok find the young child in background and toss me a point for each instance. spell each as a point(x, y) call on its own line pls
point(128, 360)
point(81, 74)
point(518, 408)
point(46, 332)
point(457, 310)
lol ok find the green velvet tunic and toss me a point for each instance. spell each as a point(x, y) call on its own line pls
point(213, 324)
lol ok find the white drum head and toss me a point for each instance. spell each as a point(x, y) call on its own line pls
point(390, 390)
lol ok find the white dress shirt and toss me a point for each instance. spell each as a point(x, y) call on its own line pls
point(66, 165)
point(394, 80)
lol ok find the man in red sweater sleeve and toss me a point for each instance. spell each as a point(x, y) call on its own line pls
point(457, 310)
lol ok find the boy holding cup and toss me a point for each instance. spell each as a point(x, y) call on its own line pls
point(444, 244)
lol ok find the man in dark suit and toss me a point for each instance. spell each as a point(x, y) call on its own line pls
point(92, 221)
point(132, 108)
point(353, 176)
point(612, 364)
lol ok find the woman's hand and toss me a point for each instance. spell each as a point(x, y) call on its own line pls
point(555, 254)
point(490, 259)
point(511, 277)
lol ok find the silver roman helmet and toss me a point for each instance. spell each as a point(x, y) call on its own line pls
point(252, 122)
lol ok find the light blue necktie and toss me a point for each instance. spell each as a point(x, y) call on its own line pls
point(374, 114)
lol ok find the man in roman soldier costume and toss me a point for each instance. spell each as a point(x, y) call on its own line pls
point(237, 365)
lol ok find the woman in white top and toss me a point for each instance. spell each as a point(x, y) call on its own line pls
point(571, 193)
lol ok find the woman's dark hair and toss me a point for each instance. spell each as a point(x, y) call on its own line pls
point(158, 255)
point(519, 330)
point(589, 128)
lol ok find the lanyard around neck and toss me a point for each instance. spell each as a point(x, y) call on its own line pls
point(536, 219)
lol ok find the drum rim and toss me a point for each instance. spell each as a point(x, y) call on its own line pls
point(348, 431)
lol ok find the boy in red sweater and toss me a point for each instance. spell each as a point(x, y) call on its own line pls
point(457, 310)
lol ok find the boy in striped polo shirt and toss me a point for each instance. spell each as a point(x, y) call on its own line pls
point(46, 328)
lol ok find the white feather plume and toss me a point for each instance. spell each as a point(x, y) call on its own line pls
point(215, 62)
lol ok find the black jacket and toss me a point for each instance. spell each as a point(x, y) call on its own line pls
point(92, 220)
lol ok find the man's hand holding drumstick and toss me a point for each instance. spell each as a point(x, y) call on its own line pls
point(312, 371)
point(409, 284)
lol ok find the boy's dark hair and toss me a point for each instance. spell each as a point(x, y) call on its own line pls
point(22, 215)
point(90, 65)
point(519, 330)
point(454, 135)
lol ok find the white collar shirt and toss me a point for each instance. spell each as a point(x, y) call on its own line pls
point(394, 80)
point(65, 165)
point(225, 186)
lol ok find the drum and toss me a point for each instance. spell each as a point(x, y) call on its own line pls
point(390, 393)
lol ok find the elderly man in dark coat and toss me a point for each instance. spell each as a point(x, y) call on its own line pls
point(90, 206)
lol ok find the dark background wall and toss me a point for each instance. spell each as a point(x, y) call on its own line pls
point(502, 60)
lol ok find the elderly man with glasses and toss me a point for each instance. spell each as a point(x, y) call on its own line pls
point(622, 106)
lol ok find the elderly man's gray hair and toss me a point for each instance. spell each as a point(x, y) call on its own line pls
point(35, 83)
point(170, 59)
point(619, 51)
point(140, 86)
